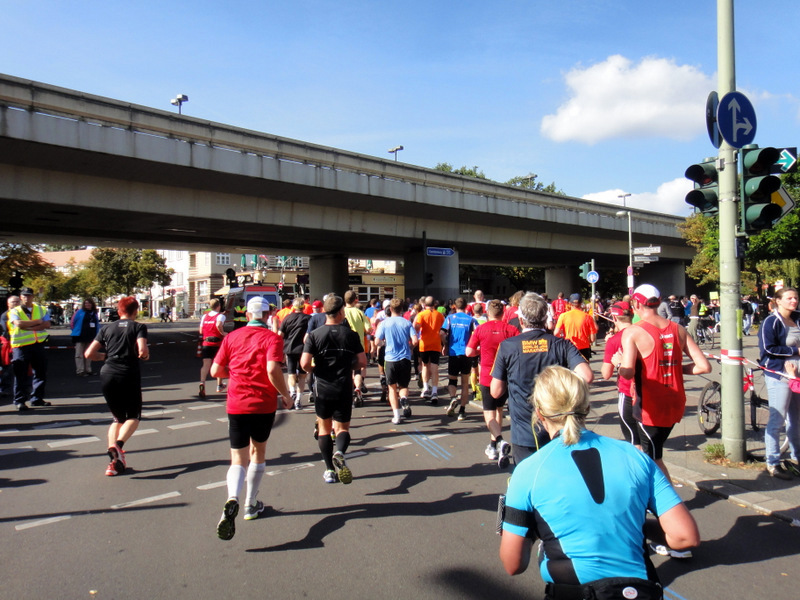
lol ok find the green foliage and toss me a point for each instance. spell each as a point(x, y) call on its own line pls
point(23, 258)
point(122, 270)
point(702, 233)
point(522, 278)
point(466, 171)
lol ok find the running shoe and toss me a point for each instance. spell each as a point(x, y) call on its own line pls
point(202, 392)
point(298, 404)
point(253, 511)
point(454, 404)
point(419, 380)
point(220, 388)
point(111, 469)
point(491, 452)
point(434, 401)
point(397, 419)
point(117, 456)
point(503, 454)
point(226, 527)
point(358, 398)
point(404, 404)
point(41, 403)
point(363, 388)
point(426, 393)
point(462, 415)
point(667, 551)
point(316, 430)
point(330, 477)
point(344, 473)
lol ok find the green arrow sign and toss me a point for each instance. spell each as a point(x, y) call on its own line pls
point(787, 159)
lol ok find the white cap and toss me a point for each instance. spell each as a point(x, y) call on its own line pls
point(386, 303)
point(256, 306)
point(647, 294)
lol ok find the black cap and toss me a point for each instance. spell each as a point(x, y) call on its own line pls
point(26, 291)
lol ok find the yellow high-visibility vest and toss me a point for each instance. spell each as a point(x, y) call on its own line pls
point(25, 337)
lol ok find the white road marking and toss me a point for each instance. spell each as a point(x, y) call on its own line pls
point(57, 425)
point(187, 425)
point(146, 500)
point(160, 411)
point(73, 441)
point(42, 522)
point(7, 451)
point(144, 431)
point(204, 406)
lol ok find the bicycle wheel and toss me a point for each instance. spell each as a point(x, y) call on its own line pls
point(709, 407)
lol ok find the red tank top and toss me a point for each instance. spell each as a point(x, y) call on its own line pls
point(210, 329)
point(660, 398)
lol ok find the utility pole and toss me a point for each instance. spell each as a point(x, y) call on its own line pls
point(729, 275)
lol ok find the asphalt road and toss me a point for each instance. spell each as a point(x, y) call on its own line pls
point(417, 522)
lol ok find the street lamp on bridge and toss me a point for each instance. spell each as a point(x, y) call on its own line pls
point(179, 100)
point(394, 151)
point(623, 196)
point(622, 213)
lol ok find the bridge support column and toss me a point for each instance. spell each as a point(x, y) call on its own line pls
point(669, 278)
point(328, 274)
point(564, 279)
point(445, 276)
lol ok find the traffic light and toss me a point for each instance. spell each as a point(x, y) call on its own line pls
point(585, 268)
point(757, 186)
point(428, 278)
point(705, 195)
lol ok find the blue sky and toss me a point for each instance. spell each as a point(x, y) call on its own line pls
point(602, 97)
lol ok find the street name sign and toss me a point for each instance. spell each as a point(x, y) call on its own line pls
point(647, 250)
point(645, 259)
point(433, 251)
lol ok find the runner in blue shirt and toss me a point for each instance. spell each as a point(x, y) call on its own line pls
point(456, 331)
point(399, 336)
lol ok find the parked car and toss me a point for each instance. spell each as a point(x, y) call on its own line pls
point(108, 313)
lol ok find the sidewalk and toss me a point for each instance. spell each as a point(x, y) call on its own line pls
point(751, 486)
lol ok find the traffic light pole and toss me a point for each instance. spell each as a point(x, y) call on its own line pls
point(729, 275)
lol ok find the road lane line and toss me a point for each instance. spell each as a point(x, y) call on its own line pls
point(207, 405)
point(671, 594)
point(432, 447)
point(144, 431)
point(160, 411)
point(42, 522)
point(146, 500)
point(392, 446)
point(187, 425)
point(212, 486)
point(57, 425)
point(7, 451)
point(73, 441)
point(292, 468)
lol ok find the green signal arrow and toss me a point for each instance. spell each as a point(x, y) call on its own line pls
point(786, 160)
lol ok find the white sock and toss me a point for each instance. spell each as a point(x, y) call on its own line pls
point(396, 412)
point(254, 474)
point(236, 475)
point(434, 391)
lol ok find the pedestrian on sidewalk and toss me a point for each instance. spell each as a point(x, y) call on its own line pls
point(85, 324)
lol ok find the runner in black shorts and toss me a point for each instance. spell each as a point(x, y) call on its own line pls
point(332, 352)
point(122, 344)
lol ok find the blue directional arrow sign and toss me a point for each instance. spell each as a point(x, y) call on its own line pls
point(592, 277)
point(736, 119)
point(433, 251)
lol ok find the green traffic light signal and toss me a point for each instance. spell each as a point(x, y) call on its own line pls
point(705, 195)
point(756, 188)
point(585, 268)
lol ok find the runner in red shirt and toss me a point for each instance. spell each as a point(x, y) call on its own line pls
point(252, 357)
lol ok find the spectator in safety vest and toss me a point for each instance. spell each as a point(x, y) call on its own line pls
point(239, 314)
point(27, 328)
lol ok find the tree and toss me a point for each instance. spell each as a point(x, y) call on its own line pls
point(466, 171)
point(122, 270)
point(523, 278)
point(702, 232)
point(22, 258)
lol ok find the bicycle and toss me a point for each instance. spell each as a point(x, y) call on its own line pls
point(709, 405)
point(706, 333)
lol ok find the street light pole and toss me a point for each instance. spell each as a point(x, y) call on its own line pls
point(623, 196)
point(622, 213)
point(394, 151)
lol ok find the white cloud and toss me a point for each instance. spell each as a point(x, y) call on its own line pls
point(616, 98)
point(668, 199)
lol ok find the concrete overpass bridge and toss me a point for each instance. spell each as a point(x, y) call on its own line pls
point(78, 168)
